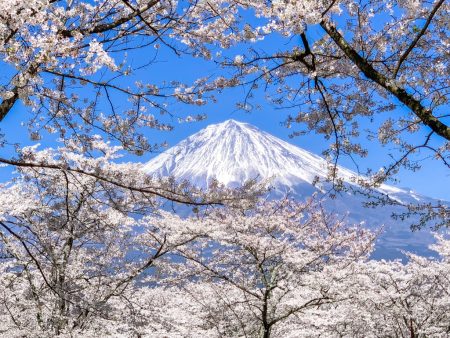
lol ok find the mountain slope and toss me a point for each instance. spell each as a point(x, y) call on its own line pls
point(233, 152)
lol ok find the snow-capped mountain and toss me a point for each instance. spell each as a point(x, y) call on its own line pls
point(233, 152)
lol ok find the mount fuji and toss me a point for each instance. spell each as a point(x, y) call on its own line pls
point(233, 152)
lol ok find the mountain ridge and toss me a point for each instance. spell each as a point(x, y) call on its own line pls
point(232, 152)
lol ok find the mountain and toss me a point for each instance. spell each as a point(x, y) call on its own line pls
point(233, 152)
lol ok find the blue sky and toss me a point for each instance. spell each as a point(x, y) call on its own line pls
point(432, 180)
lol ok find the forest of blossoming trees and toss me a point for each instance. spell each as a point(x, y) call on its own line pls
point(85, 247)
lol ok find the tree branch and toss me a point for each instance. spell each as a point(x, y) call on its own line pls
point(108, 26)
point(164, 193)
point(400, 93)
point(414, 43)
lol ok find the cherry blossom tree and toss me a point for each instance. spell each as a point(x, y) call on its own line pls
point(256, 273)
point(393, 299)
point(73, 246)
point(65, 60)
point(262, 276)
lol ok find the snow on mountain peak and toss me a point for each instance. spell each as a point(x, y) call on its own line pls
point(233, 152)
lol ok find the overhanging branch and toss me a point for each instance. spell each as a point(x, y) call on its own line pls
point(417, 38)
point(173, 196)
point(425, 115)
